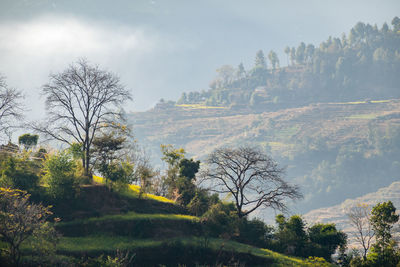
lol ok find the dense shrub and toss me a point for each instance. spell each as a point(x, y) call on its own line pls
point(255, 232)
point(221, 221)
point(60, 170)
point(320, 240)
point(201, 202)
point(325, 239)
point(19, 172)
point(291, 235)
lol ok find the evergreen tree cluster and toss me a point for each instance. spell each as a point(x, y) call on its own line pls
point(361, 65)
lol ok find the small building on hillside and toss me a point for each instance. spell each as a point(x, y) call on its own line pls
point(9, 148)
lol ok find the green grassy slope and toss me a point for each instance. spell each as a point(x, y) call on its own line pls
point(162, 235)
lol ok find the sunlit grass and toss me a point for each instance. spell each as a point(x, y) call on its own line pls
point(134, 190)
point(351, 103)
point(199, 106)
point(363, 102)
point(380, 101)
point(103, 243)
point(111, 243)
point(133, 216)
point(98, 179)
point(356, 102)
point(370, 116)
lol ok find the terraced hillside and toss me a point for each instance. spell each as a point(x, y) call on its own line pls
point(312, 141)
point(156, 231)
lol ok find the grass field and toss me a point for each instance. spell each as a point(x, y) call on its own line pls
point(133, 216)
point(134, 191)
point(363, 102)
point(102, 235)
point(198, 106)
point(102, 244)
point(370, 116)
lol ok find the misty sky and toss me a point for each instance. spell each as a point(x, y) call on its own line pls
point(162, 48)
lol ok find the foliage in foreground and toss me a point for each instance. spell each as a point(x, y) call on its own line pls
point(384, 252)
point(24, 222)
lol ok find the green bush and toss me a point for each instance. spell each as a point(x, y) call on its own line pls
point(60, 177)
point(255, 232)
point(221, 221)
point(325, 239)
point(199, 203)
point(291, 236)
point(19, 173)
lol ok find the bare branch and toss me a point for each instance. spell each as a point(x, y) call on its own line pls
point(80, 101)
point(253, 179)
point(10, 106)
point(359, 217)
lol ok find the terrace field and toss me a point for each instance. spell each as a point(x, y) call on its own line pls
point(173, 237)
point(200, 131)
point(305, 140)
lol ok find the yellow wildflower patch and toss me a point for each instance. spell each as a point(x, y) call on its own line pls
point(136, 190)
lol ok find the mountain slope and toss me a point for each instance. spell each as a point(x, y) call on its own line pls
point(337, 214)
point(327, 147)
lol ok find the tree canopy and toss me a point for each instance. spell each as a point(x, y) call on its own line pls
point(28, 140)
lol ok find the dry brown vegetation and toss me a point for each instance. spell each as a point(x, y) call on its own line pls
point(201, 131)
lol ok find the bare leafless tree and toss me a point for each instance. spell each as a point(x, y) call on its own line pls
point(251, 177)
point(360, 218)
point(80, 101)
point(10, 106)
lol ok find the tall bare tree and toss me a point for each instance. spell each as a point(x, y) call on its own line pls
point(360, 219)
point(80, 101)
point(10, 106)
point(251, 177)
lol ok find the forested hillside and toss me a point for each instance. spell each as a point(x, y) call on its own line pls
point(331, 117)
point(363, 64)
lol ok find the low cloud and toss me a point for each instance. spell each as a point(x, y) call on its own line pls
point(70, 37)
point(31, 50)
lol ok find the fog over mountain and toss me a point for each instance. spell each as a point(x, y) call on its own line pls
point(162, 48)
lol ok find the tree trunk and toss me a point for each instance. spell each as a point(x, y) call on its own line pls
point(87, 160)
point(84, 163)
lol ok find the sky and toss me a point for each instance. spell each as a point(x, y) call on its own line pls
point(160, 49)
